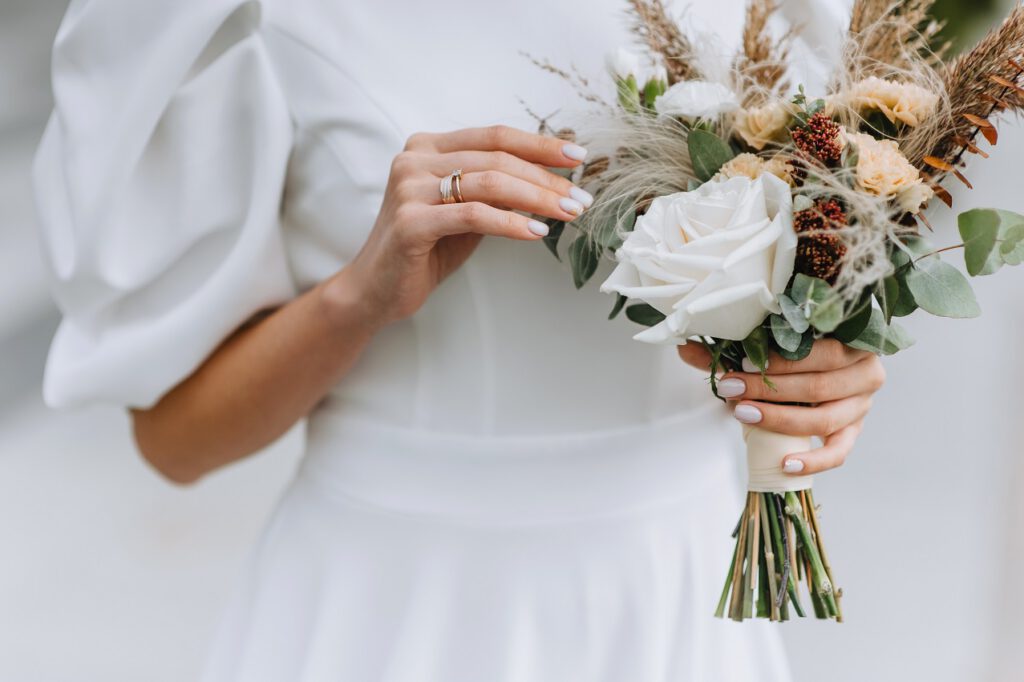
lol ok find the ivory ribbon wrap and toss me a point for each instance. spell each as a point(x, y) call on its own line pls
point(765, 450)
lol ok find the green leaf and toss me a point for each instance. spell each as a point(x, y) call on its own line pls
point(826, 309)
point(555, 230)
point(787, 338)
point(1012, 248)
point(620, 303)
point(622, 220)
point(692, 185)
point(878, 337)
point(821, 305)
point(856, 322)
point(641, 313)
point(756, 348)
point(583, 259)
point(905, 303)
point(806, 343)
point(980, 231)
point(941, 289)
point(888, 295)
point(654, 88)
point(708, 153)
point(801, 289)
point(794, 314)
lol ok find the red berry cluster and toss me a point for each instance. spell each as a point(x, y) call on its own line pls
point(820, 251)
point(819, 139)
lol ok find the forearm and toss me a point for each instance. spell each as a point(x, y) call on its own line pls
point(257, 384)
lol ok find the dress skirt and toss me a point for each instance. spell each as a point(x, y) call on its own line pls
point(401, 555)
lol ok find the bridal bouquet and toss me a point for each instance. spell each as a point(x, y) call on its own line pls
point(754, 218)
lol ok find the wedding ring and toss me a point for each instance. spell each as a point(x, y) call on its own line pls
point(451, 189)
point(457, 185)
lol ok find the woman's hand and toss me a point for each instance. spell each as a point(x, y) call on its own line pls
point(417, 240)
point(836, 380)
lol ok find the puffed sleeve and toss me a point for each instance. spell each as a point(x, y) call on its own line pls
point(158, 184)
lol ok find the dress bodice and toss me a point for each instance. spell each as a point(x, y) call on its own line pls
point(254, 143)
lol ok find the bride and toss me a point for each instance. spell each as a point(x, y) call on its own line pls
point(245, 229)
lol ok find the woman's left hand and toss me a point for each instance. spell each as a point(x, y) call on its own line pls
point(837, 382)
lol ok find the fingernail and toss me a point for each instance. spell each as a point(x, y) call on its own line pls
point(574, 152)
point(581, 196)
point(749, 366)
point(571, 206)
point(538, 228)
point(793, 466)
point(731, 388)
point(748, 414)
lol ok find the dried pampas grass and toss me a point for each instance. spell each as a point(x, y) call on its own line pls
point(661, 34)
point(760, 68)
point(981, 83)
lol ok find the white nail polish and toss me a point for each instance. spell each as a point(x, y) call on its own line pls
point(748, 414)
point(570, 206)
point(574, 152)
point(581, 196)
point(731, 388)
point(538, 228)
point(749, 366)
point(793, 466)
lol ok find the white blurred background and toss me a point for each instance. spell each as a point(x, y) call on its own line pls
point(108, 574)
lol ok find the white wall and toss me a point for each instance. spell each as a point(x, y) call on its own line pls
point(109, 575)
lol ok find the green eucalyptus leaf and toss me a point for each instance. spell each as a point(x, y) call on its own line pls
point(583, 259)
point(803, 350)
point(794, 314)
point(887, 293)
point(905, 303)
point(880, 338)
point(708, 153)
point(941, 289)
point(979, 229)
point(801, 289)
point(555, 231)
point(784, 334)
point(856, 322)
point(827, 313)
point(641, 313)
point(620, 303)
point(756, 348)
point(1012, 248)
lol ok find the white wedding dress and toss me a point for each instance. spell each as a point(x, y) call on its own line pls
point(506, 488)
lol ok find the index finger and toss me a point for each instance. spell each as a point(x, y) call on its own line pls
point(547, 151)
point(826, 355)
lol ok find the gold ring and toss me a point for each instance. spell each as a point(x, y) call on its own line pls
point(457, 185)
point(451, 190)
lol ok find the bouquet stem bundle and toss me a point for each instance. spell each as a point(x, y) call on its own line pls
point(779, 546)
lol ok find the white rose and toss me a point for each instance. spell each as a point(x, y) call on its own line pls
point(712, 260)
point(696, 99)
point(624, 63)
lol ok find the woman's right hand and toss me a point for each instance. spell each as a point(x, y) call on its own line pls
point(417, 240)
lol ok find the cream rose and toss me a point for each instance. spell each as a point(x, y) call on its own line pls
point(712, 260)
point(762, 125)
point(696, 99)
point(904, 102)
point(753, 166)
point(884, 171)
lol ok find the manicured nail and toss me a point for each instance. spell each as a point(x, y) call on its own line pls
point(570, 206)
point(581, 196)
point(793, 466)
point(748, 414)
point(538, 228)
point(748, 366)
point(731, 388)
point(574, 152)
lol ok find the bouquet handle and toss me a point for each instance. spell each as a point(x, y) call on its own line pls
point(765, 450)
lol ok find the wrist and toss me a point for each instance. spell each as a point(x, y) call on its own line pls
point(346, 305)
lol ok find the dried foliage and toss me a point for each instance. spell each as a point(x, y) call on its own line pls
point(981, 83)
point(760, 68)
point(893, 34)
point(662, 35)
